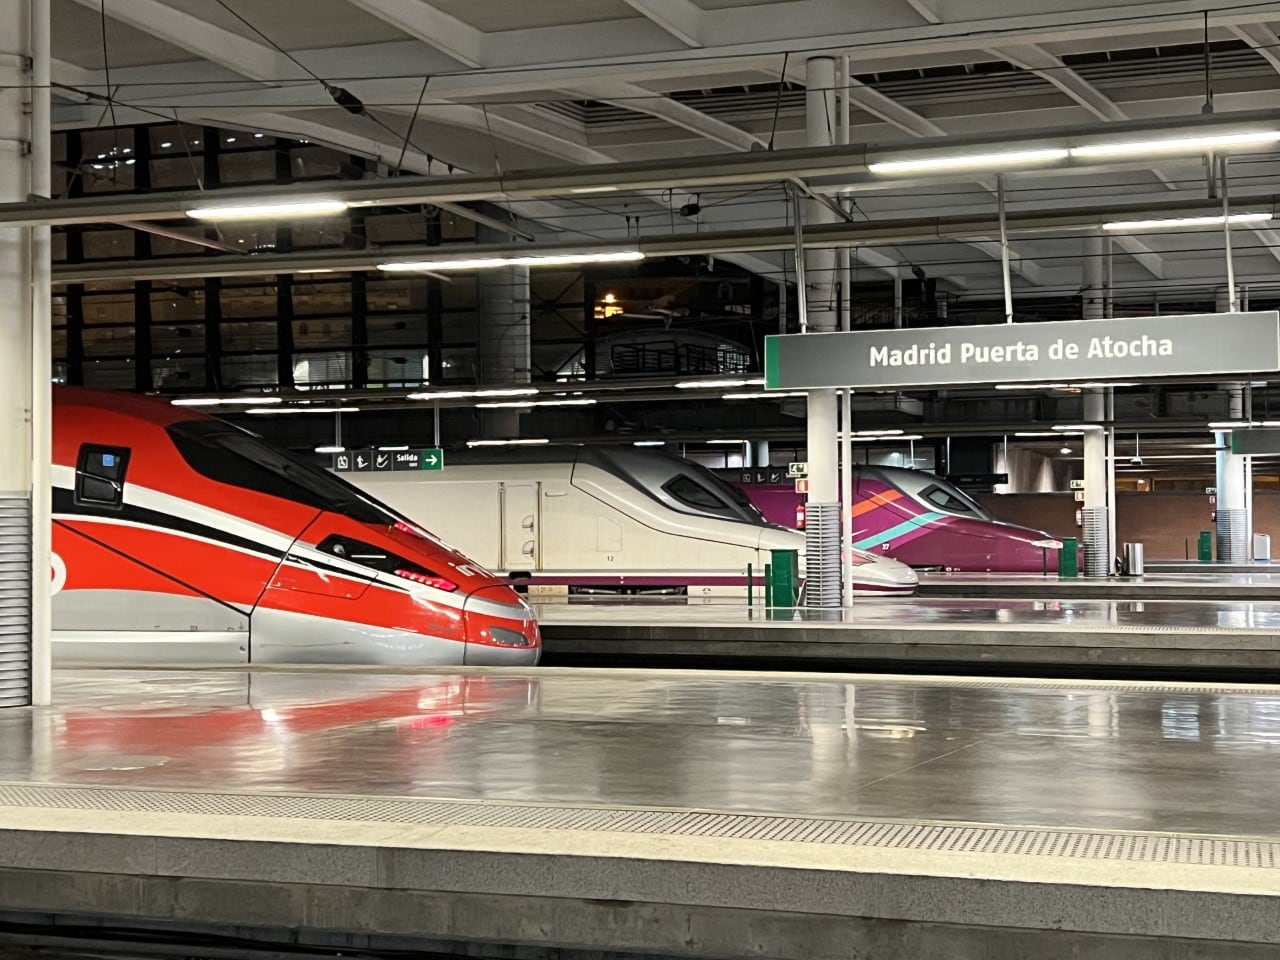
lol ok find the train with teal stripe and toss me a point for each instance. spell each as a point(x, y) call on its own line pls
point(920, 520)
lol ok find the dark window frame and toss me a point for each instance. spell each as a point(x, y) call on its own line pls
point(84, 476)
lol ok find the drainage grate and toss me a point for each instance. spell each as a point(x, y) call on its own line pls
point(905, 835)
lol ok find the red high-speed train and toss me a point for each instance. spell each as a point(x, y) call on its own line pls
point(178, 537)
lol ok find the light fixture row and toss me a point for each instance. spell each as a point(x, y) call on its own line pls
point(1089, 151)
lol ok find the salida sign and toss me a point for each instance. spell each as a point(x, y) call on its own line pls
point(1125, 349)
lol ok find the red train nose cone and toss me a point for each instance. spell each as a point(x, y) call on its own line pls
point(501, 629)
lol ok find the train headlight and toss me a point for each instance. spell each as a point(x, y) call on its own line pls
point(508, 638)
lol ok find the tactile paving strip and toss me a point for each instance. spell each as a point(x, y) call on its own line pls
point(948, 838)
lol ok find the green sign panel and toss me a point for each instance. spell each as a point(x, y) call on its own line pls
point(432, 458)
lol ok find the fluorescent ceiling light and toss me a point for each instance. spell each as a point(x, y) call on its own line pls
point(223, 401)
point(881, 438)
point(602, 189)
point(508, 443)
point(967, 161)
point(739, 442)
point(1037, 433)
point(764, 395)
point(442, 395)
point(878, 433)
point(1076, 427)
point(1032, 386)
point(488, 263)
point(274, 410)
point(718, 384)
point(1175, 222)
point(506, 392)
point(331, 449)
point(1211, 141)
point(395, 449)
point(497, 404)
point(267, 211)
point(1093, 385)
point(1233, 424)
point(648, 443)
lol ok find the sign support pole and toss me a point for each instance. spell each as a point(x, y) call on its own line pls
point(1004, 251)
point(1234, 304)
point(802, 296)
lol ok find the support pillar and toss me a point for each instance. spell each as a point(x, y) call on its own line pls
point(1234, 472)
point(503, 336)
point(822, 516)
point(1095, 520)
point(762, 453)
point(25, 400)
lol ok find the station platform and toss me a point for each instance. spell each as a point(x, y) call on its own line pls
point(1226, 637)
point(1258, 583)
point(624, 813)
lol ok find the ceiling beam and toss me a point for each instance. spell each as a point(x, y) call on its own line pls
point(248, 58)
point(1150, 261)
point(926, 9)
point(1045, 65)
point(682, 19)
point(1263, 40)
point(431, 26)
point(890, 111)
point(629, 96)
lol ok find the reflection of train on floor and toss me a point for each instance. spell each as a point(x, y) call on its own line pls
point(605, 519)
point(920, 519)
point(178, 537)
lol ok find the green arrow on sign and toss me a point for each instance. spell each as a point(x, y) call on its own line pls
point(433, 458)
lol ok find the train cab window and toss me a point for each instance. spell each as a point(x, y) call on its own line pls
point(100, 475)
point(692, 494)
point(946, 500)
point(241, 459)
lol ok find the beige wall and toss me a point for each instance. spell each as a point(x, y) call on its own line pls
point(1161, 521)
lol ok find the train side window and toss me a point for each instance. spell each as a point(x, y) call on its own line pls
point(945, 500)
point(692, 494)
point(100, 475)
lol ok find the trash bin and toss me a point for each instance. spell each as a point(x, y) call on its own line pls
point(784, 578)
point(1069, 558)
point(1262, 547)
point(1132, 560)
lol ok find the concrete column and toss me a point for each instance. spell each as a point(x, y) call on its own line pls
point(762, 453)
point(24, 358)
point(822, 548)
point(1097, 545)
point(503, 338)
point(1093, 276)
point(1235, 493)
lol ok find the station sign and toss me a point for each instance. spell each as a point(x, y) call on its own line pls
point(1077, 484)
point(382, 461)
point(1257, 440)
point(798, 469)
point(757, 475)
point(1129, 348)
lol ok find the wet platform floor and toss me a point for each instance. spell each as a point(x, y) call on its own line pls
point(1081, 755)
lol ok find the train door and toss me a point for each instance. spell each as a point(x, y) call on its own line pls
point(521, 531)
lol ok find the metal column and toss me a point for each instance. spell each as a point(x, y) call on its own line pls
point(1095, 521)
point(822, 514)
point(25, 403)
point(503, 336)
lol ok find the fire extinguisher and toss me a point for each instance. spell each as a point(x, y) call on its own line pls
point(800, 516)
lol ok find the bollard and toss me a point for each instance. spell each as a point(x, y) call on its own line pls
point(1204, 548)
point(1069, 558)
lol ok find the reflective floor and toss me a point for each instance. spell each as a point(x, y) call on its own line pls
point(1099, 755)
point(1265, 578)
point(1126, 615)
